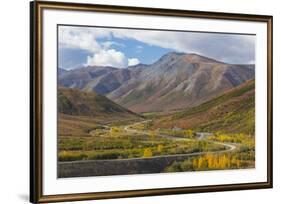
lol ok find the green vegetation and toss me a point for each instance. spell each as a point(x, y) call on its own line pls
point(116, 143)
point(232, 112)
point(91, 127)
point(242, 157)
point(218, 100)
point(238, 120)
point(211, 162)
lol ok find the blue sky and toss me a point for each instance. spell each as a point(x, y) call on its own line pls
point(93, 46)
point(146, 53)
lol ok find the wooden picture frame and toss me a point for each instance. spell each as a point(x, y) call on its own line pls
point(37, 9)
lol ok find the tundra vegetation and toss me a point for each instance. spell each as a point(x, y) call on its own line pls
point(93, 127)
point(242, 157)
point(132, 139)
point(116, 142)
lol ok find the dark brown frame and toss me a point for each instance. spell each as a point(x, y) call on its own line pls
point(36, 191)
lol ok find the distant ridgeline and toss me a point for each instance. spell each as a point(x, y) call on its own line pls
point(175, 81)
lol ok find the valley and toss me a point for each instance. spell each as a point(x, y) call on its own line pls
point(182, 113)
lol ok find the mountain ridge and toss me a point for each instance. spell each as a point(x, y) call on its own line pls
point(78, 103)
point(176, 80)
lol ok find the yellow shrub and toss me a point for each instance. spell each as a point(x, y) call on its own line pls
point(160, 148)
point(147, 152)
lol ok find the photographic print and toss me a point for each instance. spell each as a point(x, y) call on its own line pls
point(142, 101)
point(133, 101)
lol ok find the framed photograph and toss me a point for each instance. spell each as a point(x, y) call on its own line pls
point(131, 101)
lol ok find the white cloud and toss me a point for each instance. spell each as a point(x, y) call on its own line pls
point(133, 61)
point(109, 44)
point(85, 38)
point(82, 37)
point(225, 47)
point(110, 57)
point(232, 48)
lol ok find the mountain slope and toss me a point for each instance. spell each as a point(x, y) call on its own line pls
point(78, 103)
point(178, 81)
point(232, 112)
point(79, 78)
point(175, 81)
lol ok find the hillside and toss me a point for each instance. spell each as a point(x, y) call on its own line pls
point(175, 81)
point(232, 112)
point(81, 112)
point(80, 78)
point(78, 103)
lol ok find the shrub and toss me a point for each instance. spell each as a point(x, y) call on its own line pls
point(147, 152)
point(71, 156)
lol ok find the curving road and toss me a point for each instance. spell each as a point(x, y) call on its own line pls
point(127, 166)
point(202, 135)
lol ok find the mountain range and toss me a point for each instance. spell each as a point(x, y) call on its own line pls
point(175, 81)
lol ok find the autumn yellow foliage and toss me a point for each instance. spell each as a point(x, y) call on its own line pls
point(188, 133)
point(213, 161)
point(160, 148)
point(147, 152)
